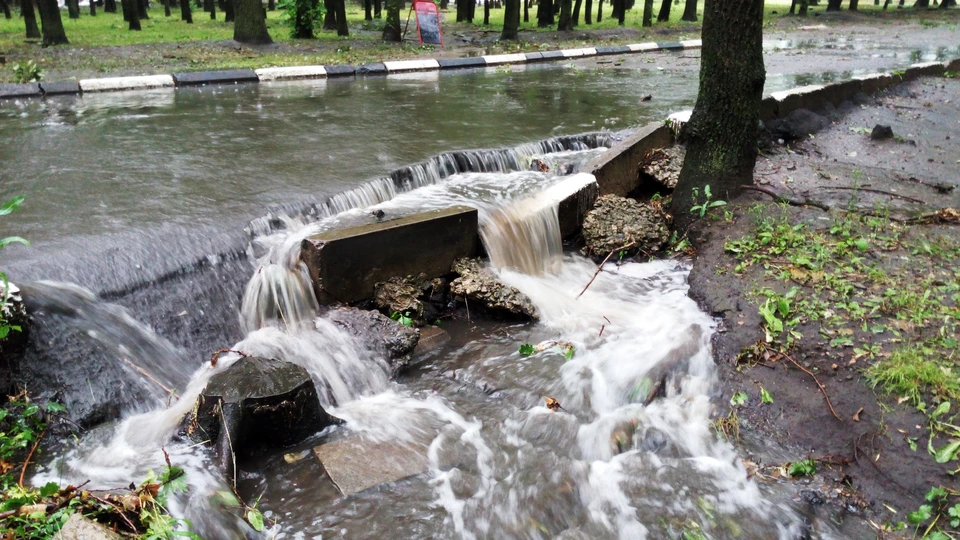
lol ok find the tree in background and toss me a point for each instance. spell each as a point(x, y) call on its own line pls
point(30, 19)
point(511, 20)
point(689, 11)
point(664, 14)
point(391, 28)
point(186, 14)
point(565, 21)
point(722, 132)
point(51, 23)
point(647, 12)
point(250, 25)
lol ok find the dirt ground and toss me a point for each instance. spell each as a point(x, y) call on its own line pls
point(868, 469)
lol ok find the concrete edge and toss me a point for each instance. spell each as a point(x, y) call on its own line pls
point(116, 84)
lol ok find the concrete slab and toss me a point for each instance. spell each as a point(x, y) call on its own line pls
point(8, 91)
point(355, 465)
point(619, 49)
point(60, 88)
point(112, 84)
point(804, 97)
point(290, 73)
point(346, 264)
point(692, 44)
point(924, 69)
point(670, 45)
point(874, 82)
point(534, 57)
point(496, 59)
point(376, 68)
point(617, 169)
point(412, 65)
point(587, 51)
point(457, 63)
point(552, 55)
point(340, 71)
point(226, 76)
point(637, 47)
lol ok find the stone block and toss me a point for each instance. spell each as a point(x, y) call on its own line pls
point(113, 84)
point(874, 82)
point(79, 527)
point(810, 97)
point(291, 73)
point(534, 57)
point(340, 71)
point(497, 59)
point(60, 88)
point(458, 63)
point(552, 55)
point(8, 91)
point(226, 76)
point(619, 49)
point(925, 69)
point(670, 46)
point(346, 264)
point(638, 47)
point(428, 64)
point(692, 44)
point(375, 68)
point(616, 170)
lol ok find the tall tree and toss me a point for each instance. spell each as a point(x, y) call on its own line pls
point(110, 6)
point(565, 21)
point(511, 20)
point(526, 10)
point(186, 14)
point(303, 19)
point(210, 7)
point(342, 28)
point(622, 14)
point(142, 9)
point(462, 10)
point(599, 10)
point(588, 12)
point(377, 9)
point(129, 9)
point(368, 10)
point(664, 14)
point(30, 18)
point(486, 12)
point(854, 4)
point(576, 12)
point(545, 13)
point(391, 27)
point(166, 8)
point(722, 132)
point(51, 23)
point(689, 11)
point(330, 15)
point(73, 8)
point(647, 12)
point(250, 24)
point(6, 9)
point(93, 8)
point(834, 5)
point(917, 4)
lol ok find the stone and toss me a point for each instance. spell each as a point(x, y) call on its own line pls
point(616, 169)
point(10, 91)
point(79, 527)
point(355, 465)
point(617, 221)
point(663, 165)
point(478, 284)
point(60, 88)
point(379, 334)
point(881, 132)
point(340, 71)
point(226, 76)
point(432, 338)
point(797, 125)
point(458, 63)
point(114, 84)
point(257, 403)
point(416, 295)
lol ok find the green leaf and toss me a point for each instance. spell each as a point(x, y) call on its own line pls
point(226, 498)
point(255, 518)
point(936, 493)
point(11, 205)
point(862, 244)
point(4, 242)
point(527, 349)
point(569, 352)
point(55, 407)
point(941, 409)
point(738, 399)
point(805, 467)
point(947, 452)
point(922, 514)
point(765, 396)
point(48, 489)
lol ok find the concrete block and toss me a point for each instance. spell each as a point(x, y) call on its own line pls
point(692, 44)
point(577, 196)
point(8, 91)
point(534, 57)
point(804, 97)
point(459, 63)
point(428, 64)
point(552, 55)
point(226, 76)
point(837, 93)
point(496, 59)
point(619, 49)
point(617, 169)
point(375, 68)
point(925, 69)
point(355, 464)
point(638, 47)
point(291, 73)
point(874, 82)
point(60, 88)
point(572, 53)
point(346, 264)
point(340, 71)
point(112, 84)
point(670, 46)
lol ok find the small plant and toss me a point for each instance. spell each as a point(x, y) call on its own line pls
point(5, 302)
point(402, 318)
point(26, 72)
point(804, 467)
point(702, 209)
point(765, 395)
point(740, 398)
point(527, 349)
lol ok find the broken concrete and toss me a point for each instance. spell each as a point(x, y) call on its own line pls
point(413, 296)
point(479, 285)
point(617, 221)
point(663, 166)
point(617, 170)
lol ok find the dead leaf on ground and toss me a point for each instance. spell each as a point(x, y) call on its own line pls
point(553, 404)
point(856, 415)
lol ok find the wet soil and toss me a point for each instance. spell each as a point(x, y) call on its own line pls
point(868, 468)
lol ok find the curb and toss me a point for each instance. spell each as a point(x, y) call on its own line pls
point(270, 74)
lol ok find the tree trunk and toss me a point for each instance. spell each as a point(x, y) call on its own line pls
point(804, 4)
point(944, 4)
point(565, 21)
point(391, 28)
point(186, 14)
point(129, 13)
point(51, 24)
point(229, 12)
point(834, 5)
point(486, 12)
point(576, 12)
point(587, 12)
point(271, 5)
point(368, 10)
point(30, 19)
point(689, 11)
point(526, 10)
point(330, 17)
point(664, 14)
point(377, 9)
point(211, 8)
point(93, 8)
point(343, 29)
point(303, 19)
point(599, 10)
point(622, 14)
point(471, 10)
point(722, 132)
point(444, 4)
point(921, 4)
point(793, 7)
point(142, 9)
point(853, 5)
point(110, 6)
point(511, 20)
point(73, 8)
point(6, 9)
point(461, 10)
point(648, 12)
point(250, 25)
point(545, 13)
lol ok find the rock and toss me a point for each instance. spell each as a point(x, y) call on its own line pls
point(478, 284)
point(431, 339)
point(617, 221)
point(257, 403)
point(415, 295)
point(380, 334)
point(15, 315)
point(355, 465)
point(663, 165)
point(79, 527)
point(881, 132)
point(797, 124)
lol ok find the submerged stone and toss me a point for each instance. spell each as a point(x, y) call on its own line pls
point(381, 335)
point(355, 465)
point(478, 284)
point(617, 221)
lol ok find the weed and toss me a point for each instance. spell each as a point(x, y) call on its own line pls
point(728, 426)
point(402, 318)
point(804, 467)
point(27, 72)
point(701, 209)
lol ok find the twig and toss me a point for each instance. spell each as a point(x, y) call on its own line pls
point(792, 202)
point(215, 357)
point(233, 455)
point(880, 191)
point(602, 326)
point(143, 372)
point(119, 510)
point(23, 469)
point(816, 380)
point(599, 268)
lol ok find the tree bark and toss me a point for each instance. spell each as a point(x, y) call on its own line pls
point(599, 10)
point(166, 7)
point(461, 10)
point(368, 10)
point(664, 14)
point(588, 12)
point(545, 13)
point(142, 9)
point(648, 12)
point(303, 19)
point(93, 8)
point(921, 4)
point(30, 19)
point(471, 10)
point(211, 8)
point(834, 5)
point(689, 11)
point(6, 9)
point(526, 10)
point(186, 14)
point(622, 14)
point(229, 12)
point(511, 20)
point(576, 12)
point(343, 29)
point(722, 132)
point(250, 25)
point(793, 7)
point(565, 21)
point(854, 4)
point(377, 9)
point(51, 24)
point(110, 6)
point(271, 5)
point(129, 13)
point(73, 8)
point(486, 12)
point(804, 4)
point(330, 17)
point(391, 28)
point(944, 4)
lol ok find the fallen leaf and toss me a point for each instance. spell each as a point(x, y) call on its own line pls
point(553, 404)
point(856, 415)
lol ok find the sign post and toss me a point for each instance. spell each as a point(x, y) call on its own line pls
point(428, 22)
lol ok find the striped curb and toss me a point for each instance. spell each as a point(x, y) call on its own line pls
point(865, 83)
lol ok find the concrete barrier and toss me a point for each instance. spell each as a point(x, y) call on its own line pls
point(113, 84)
point(340, 71)
point(290, 73)
point(497, 59)
point(346, 264)
point(803, 97)
point(412, 65)
point(617, 169)
point(227, 76)
point(60, 88)
point(925, 69)
point(10, 91)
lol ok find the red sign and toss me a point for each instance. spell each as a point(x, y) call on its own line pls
point(428, 22)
